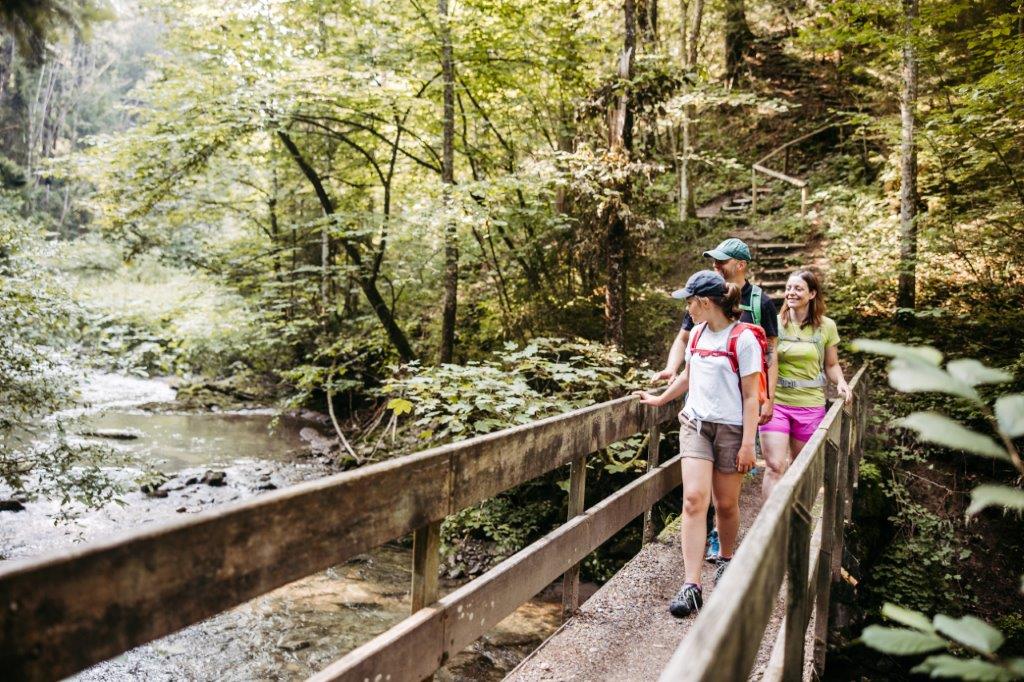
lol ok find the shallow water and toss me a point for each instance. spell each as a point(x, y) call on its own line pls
point(287, 634)
point(171, 442)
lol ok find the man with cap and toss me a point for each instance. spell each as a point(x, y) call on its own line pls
point(731, 259)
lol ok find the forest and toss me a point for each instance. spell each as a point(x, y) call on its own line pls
point(409, 223)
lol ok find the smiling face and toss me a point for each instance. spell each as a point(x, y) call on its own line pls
point(798, 294)
point(731, 270)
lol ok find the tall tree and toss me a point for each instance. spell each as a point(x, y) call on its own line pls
point(906, 294)
point(689, 35)
point(616, 233)
point(737, 38)
point(451, 246)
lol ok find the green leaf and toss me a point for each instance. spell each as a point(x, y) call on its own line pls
point(937, 428)
point(925, 354)
point(911, 376)
point(1010, 414)
point(995, 495)
point(972, 372)
point(908, 617)
point(970, 631)
point(400, 406)
point(900, 641)
point(945, 665)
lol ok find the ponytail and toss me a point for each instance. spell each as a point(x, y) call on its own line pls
point(730, 302)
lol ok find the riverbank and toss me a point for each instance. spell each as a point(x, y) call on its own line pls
point(173, 461)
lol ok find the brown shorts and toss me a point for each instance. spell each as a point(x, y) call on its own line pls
point(717, 443)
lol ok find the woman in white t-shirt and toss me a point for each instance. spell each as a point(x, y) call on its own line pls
point(718, 424)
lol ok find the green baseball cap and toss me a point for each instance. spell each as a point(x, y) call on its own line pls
point(730, 248)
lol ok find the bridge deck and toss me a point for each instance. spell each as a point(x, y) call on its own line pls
point(625, 632)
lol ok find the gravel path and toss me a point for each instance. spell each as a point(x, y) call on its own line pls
point(625, 632)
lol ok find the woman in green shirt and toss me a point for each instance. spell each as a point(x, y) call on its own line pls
point(807, 358)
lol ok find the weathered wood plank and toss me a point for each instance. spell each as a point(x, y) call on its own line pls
point(824, 577)
point(795, 625)
point(66, 611)
point(421, 639)
point(486, 466)
point(796, 182)
point(426, 555)
point(653, 458)
point(577, 492)
point(773, 670)
point(479, 605)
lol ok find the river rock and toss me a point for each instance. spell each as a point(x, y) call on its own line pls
point(317, 443)
point(292, 642)
point(152, 487)
point(113, 434)
point(215, 478)
point(11, 506)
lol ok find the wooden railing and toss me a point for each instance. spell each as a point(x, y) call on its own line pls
point(64, 612)
point(759, 167)
point(723, 642)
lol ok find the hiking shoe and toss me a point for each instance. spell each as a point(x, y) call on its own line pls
point(720, 569)
point(689, 600)
point(713, 547)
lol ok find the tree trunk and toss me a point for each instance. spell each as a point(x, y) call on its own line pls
point(906, 295)
point(737, 38)
point(647, 20)
point(367, 283)
point(451, 246)
point(690, 38)
point(616, 235)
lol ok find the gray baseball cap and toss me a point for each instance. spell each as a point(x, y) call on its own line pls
point(703, 283)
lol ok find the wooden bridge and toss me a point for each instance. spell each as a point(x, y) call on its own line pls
point(61, 613)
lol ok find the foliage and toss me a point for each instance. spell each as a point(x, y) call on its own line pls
point(36, 377)
point(915, 369)
point(515, 386)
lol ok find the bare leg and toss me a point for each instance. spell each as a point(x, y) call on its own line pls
point(696, 496)
point(726, 490)
point(795, 446)
point(775, 446)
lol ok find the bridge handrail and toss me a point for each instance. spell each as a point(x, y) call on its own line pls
point(724, 640)
point(65, 611)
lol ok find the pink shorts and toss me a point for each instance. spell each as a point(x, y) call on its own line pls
point(799, 422)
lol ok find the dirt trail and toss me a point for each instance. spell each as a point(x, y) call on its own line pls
point(625, 632)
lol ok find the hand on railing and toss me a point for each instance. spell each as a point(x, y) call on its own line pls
point(652, 399)
point(843, 389)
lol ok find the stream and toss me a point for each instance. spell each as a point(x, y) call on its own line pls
point(211, 458)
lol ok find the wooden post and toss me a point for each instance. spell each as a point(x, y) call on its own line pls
point(426, 546)
point(824, 577)
point(753, 191)
point(571, 578)
point(803, 201)
point(796, 592)
point(842, 471)
point(653, 456)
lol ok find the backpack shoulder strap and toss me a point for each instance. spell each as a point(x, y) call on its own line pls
point(695, 335)
point(754, 307)
point(755, 303)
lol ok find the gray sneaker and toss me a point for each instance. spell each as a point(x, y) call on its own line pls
point(689, 600)
point(720, 569)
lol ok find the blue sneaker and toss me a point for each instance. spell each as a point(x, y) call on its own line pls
point(714, 548)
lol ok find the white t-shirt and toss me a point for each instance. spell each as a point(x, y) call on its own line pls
point(714, 393)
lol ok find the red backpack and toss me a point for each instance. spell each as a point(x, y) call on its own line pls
point(730, 352)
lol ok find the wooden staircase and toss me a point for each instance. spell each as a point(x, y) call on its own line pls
point(773, 262)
